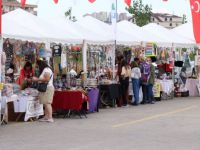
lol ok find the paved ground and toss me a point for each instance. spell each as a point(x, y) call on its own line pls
point(167, 125)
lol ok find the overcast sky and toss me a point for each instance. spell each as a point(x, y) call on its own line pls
point(47, 8)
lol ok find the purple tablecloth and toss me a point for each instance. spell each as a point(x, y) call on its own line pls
point(93, 96)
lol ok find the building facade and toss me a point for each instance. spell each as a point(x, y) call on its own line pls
point(10, 5)
point(166, 20)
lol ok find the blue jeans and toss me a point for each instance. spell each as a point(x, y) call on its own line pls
point(136, 89)
point(150, 96)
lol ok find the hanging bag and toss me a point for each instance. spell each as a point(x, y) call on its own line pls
point(42, 87)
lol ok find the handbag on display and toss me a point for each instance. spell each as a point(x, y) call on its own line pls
point(42, 87)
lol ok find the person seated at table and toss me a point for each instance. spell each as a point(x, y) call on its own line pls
point(183, 75)
point(26, 75)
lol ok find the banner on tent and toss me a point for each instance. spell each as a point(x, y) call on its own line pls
point(150, 50)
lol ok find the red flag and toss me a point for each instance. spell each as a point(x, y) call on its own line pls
point(195, 8)
point(91, 1)
point(23, 3)
point(55, 1)
point(128, 2)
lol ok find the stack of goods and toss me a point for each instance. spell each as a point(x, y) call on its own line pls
point(180, 91)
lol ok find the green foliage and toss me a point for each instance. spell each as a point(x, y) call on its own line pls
point(141, 13)
point(192, 56)
point(68, 14)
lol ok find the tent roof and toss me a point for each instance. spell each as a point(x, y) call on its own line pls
point(185, 30)
point(87, 34)
point(36, 25)
point(165, 35)
point(97, 27)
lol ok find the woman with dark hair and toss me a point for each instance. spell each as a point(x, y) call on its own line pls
point(46, 98)
point(124, 81)
point(26, 75)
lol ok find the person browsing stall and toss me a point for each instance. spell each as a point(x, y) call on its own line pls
point(124, 81)
point(135, 76)
point(46, 98)
point(26, 74)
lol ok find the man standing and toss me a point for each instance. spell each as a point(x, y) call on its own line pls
point(150, 82)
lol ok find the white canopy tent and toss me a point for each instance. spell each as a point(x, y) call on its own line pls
point(96, 27)
point(185, 30)
point(128, 34)
point(37, 26)
point(167, 38)
point(135, 32)
point(12, 29)
point(87, 34)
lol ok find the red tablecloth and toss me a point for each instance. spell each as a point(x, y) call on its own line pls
point(66, 100)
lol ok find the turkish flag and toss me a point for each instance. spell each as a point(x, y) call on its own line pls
point(128, 2)
point(23, 3)
point(91, 1)
point(195, 8)
point(55, 1)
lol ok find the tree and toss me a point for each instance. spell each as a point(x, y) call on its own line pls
point(184, 19)
point(141, 13)
point(68, 14)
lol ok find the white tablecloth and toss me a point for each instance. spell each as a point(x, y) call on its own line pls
point(28, 104)
point(191, 85)
point(167, 86)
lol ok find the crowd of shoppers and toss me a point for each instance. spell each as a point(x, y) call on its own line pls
point(142, 75)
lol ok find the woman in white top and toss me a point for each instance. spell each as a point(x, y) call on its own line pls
point(135, 76)
point(46, 98)
point(124, 81)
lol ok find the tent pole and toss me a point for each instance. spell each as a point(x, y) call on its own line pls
point(1, 48)
point(115, 44)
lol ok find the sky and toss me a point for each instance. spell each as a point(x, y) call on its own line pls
point(47, 8)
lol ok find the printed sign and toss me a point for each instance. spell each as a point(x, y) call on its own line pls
point(150, 50)
point(156, 89)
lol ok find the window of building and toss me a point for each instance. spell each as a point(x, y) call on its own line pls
point(165, 19)
point(170, 24)
point(153, 19)
point(170, 19)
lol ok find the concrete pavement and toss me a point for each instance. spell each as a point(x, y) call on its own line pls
point(166, 125)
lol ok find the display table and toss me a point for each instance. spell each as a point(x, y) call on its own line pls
point(70, 100)
point(22, 108)
point(191, 85)
point(165, 87)
point(109, 93)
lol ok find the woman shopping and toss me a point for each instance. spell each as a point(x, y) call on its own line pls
point(124, 81)
point(135, 76)
point(46, 98)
